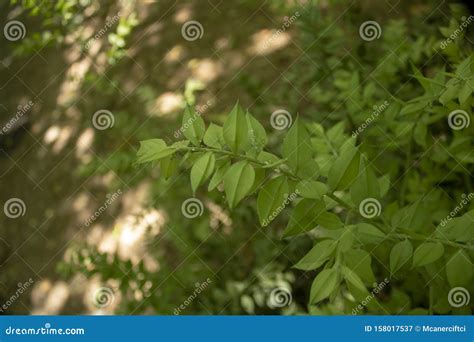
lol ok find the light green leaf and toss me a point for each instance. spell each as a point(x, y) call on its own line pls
point(213, 136)
point(324, 283)
point(238, 182)
point(270, 198)
point(465, 93)
point(193, 126)
point(153, 149)
point(400, 255)
point(257, 134)
point(236, 130)
point(218, 176)
point(168, 166)
point(352, 278)
point(345, 169)
point(268, 158)
point(298, 151)
point(317, 256)
point(311, 189)
point(369, 234)
point(202, 169)
point(427, 252)
point(449, 94)
point(459, 269)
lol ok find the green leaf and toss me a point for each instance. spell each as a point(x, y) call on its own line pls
point(153, 149)
point(268, 158)
point(324, 283)
point(427, 252)
point(345, 169)
point(304, 215)
point(366, 186)
point(369, 234)
point(459, 269)
point(352, 278)
point(400, 255)
point(271, 198)
point(238, 182)
point(412, 217)
point(218, 176)
point(311, 189)
point(360, 262)
point(168, 166)
point(449, 94)
point(298, 151)
point(416, 107)
point(317, 256)
point(257, 134)
point(193, 126)
point(213, 136)
point(465, 93)
point(236, 130)
point(202, 169)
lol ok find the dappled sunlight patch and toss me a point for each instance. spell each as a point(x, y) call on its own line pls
point(174, 55)
point(268, 41)
point(205, 70)
point(49, 298)
point(168, 103)
point(84, 143)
